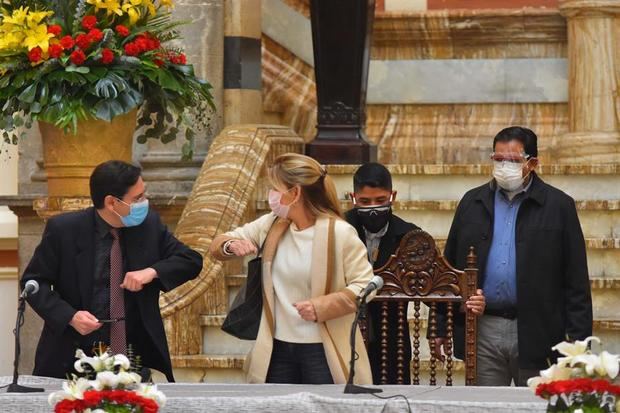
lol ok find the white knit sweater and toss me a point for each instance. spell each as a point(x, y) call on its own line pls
point(292, 284)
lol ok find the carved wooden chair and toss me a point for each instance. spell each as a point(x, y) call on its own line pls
point(417, 273)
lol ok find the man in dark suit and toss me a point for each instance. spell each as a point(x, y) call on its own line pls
point(532, 264)
point(100, 272)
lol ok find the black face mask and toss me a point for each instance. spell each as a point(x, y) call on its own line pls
point(374, 218)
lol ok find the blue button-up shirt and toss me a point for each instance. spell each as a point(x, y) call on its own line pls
point(500, 281)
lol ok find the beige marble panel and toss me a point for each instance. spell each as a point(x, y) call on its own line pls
point(457, 133)
point(242, 18)
point(594, 81)
point(242, 106)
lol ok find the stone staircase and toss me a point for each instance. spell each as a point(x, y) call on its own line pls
point(427, 196)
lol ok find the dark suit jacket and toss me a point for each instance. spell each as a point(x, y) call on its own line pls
point(388, 246)
point(553, 289)
point(63, 264)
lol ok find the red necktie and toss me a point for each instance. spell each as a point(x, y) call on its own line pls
point(118, 341)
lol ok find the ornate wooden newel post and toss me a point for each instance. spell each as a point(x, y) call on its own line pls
point(341, 32)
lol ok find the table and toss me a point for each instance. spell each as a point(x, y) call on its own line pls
point(280, 398)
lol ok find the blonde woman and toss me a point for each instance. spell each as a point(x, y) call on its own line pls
point(308, 304)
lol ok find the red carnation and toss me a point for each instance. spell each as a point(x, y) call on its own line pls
point(154, 44)
point(142, 43)
point(35, 54)
point(78, 57)
point(67, 42)
point(95, 35)
point(54, 29)
point(131, 49)
point(107, 56)
point(89, 22)
point(83, 41)
point(55, 50)
point(179, 59)
point(122, 30)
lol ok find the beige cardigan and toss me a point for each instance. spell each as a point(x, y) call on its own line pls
point(334, 300)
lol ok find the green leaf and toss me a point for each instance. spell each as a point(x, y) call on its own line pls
point(168, 81)
point(78, 69)
point(187, 70)
point(28, 94)
point(43, 94)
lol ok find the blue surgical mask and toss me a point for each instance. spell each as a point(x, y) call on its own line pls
point(137, 213)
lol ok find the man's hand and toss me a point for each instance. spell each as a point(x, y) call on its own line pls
point(136, 280)
point(242, 247)
point(84, 322)
point(306, 310)
point(476, 303)
point(438, 347)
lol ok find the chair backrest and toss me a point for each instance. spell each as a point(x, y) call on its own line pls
point(418, 272)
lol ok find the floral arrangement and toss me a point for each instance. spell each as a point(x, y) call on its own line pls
point(66, 60)
point(115, 388)
point(581, 381)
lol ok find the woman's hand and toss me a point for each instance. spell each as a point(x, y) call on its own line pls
point(306, 310)
point(476, 303)
point(242, 247)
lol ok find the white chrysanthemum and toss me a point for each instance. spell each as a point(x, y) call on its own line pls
point(126, 378)
point(122, 361)
point(150, 391)
point(108, 379)
point(576, 348)
point(98, 363)
point(70, 390)
point(553, 373)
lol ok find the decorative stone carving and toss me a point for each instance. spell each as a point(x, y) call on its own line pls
point(223, 192)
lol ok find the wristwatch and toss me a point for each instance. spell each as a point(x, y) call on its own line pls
point(225, 249)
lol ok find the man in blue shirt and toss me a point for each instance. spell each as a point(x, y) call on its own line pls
point(532, 261)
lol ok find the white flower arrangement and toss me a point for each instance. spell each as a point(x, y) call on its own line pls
point(114, 385)
point(581, 381)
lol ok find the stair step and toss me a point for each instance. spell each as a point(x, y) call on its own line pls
point(235, 280)
point(212, 320)
point(209, 361)
point(608, 324)
point(219, 361)
point(481, 169)
point(450, 205)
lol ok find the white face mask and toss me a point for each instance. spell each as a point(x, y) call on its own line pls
point(509, 175)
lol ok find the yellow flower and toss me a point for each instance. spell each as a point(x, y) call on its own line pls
point(111, 6)
point(24, 29)
point(167, 3)
point(34, 18)
point(18, 17)
point(136, 4)
point(37, 36)
point(132, 11)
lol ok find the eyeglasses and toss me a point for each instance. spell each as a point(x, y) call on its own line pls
point(510, 157)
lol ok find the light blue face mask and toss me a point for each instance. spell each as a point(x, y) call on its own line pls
point(137, 213)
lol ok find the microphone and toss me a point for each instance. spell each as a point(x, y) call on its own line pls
point(376, 283)
point(31, 287)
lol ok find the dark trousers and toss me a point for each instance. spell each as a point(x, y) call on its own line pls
point(298, 363)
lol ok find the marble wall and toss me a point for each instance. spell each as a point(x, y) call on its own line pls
point(441, 83)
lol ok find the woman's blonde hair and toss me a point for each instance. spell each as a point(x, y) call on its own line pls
point(317, 188)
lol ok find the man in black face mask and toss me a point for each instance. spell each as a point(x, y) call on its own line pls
point(382, 232)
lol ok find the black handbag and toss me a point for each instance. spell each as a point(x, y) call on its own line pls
point(243, 319)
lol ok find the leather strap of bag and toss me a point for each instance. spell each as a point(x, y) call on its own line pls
point(331, 254)
point(260, 250)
